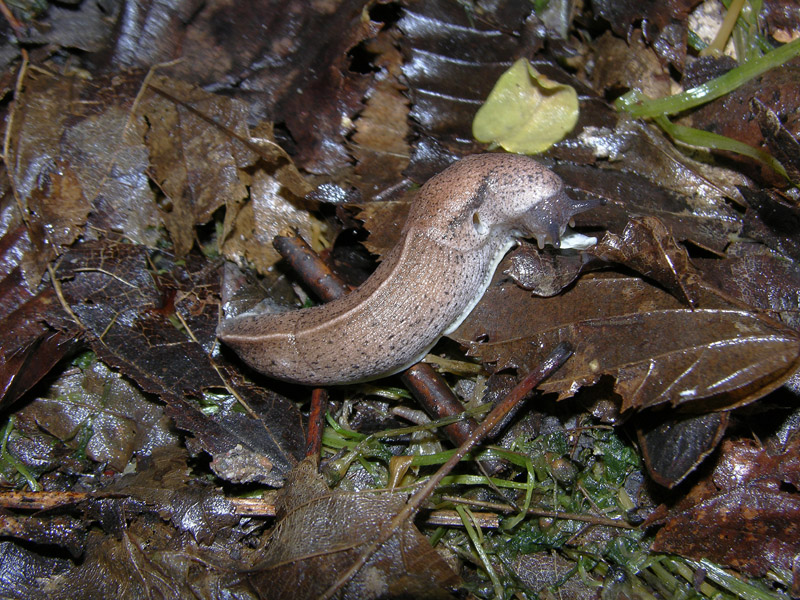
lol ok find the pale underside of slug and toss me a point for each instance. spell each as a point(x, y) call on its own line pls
point(460, 225)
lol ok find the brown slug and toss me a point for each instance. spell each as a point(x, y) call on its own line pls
point(460, 225)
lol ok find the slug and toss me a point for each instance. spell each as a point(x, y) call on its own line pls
point(460, 225)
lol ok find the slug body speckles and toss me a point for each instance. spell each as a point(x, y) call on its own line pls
point(459, 226)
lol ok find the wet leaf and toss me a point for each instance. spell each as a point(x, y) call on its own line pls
point(658, 350)
point(63, 532)
point(159, 330)
point(748, 520)
point(696, 214)
point(781, 142)
point(381, 130)
point(163, 485)
point(542, 570)
point(100, 162)
point(320, 533)
point(95, 414)
point(84, 25)
point(781, 18)
point(29, 348)
point(455, 59)
point(633, 148)
point(251, 226)
point(74, 149)
point(202, 153)
point(384, 221)
point(313, 87)
point(147, 531)
point(197, 144)
point(672, 446)
point(40, 173)
point(735, 116)
point(773, 218)
point(526, 112)
point(664, 23)
point(626, 64)
point(647, 247)
point(543, 272)
point(758, 277)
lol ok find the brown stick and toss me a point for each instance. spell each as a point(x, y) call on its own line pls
point(316, 416)
point(325, 284)
point(12, 20)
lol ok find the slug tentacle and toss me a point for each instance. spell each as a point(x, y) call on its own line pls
point(459, 226)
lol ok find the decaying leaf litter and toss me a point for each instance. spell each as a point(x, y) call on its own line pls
point(126, 188)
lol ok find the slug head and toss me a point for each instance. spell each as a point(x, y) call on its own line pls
point(486, 196)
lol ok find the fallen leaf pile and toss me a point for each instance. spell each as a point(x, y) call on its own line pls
point(152, 152)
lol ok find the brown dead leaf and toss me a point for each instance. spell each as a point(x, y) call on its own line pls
point(624, 64)
point(455, 60)
point(93, 412)
point(39, 173)
point(380, 144)
point(664, 23)
point(734, 115)
point(541, 570)
point(674, 445)
point(744, 461)
point(643, 174)
point(658, 350)
point(773, 218)
point(750, 528)
point(70, 154)
point(163, 484)
point(647, 247)
point(308, 82)
point(84, 25)
point(251, 226)
point(384, 221)
point(155, 320)
point(781, 19)
point(159, 531)
point(750, 522)
point(196, 153)
point(757, 277)
point(201, 152)
point(629, 195)
point(322, 532)
point(29, 348)
point(202, 155)
point(780, 140)
point(543, 272)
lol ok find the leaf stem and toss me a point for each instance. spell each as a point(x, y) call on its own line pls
point(637, 107)
point(466, 520)
point(725, 30)
point(708, 139)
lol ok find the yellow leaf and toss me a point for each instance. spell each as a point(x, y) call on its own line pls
point(526, 112)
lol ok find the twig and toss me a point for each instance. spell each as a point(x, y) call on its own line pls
point(439, 401)
point(325, 284)
point(56, 283)
point(316, 416)
point(12, 20)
